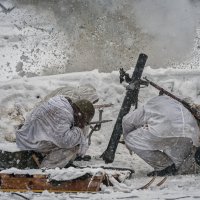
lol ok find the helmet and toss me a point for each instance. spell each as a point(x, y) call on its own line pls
point(87, 108)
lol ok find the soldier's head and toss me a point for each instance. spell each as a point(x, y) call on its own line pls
point(86, 109)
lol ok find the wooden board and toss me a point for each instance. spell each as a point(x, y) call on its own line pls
point(39, 183)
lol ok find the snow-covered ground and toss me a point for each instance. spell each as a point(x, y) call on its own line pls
point(28, 50)
point(24, 93)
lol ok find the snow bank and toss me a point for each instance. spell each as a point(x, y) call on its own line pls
point(28, 50)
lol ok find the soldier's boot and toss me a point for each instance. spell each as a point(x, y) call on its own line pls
point(84, 158)
point(168, 171)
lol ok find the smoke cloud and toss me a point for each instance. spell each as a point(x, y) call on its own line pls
point(120, 30)
point(170, 28)
point(108, 34)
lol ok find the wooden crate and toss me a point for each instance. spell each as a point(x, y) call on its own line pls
point(39, 183)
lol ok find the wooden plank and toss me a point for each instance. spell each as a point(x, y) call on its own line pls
point(39, 183)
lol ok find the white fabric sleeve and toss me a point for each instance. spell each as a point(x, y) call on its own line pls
point(85, 143)
point(83, 147)
point(133, 120)
point(71, 138)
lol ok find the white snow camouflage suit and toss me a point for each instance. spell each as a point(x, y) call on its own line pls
point(55, 156)
point(162, 132)
point(49, 129)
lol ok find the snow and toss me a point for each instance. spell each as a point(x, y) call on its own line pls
point(70, 173)
point(20, 92)
point(24, 92)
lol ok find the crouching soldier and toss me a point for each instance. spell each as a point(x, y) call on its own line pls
point(164, 134)
point(53, 133)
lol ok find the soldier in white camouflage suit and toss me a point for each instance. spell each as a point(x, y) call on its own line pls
point(164, 134)
point(56, 130)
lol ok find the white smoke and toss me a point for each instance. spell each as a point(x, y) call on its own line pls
point(170, 26)
point(59, 36)
point(163, 29)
